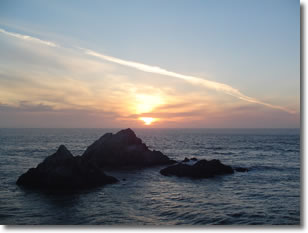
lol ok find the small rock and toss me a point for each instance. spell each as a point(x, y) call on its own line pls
point(241, 169)
point(201, 169)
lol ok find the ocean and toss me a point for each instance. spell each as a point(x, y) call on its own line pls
point(268, 194)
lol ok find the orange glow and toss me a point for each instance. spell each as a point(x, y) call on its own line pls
point(148, 120)
point(146, 103)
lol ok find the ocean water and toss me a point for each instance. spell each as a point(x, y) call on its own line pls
point(268, 194)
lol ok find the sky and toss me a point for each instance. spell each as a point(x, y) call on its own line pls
point(161, 64)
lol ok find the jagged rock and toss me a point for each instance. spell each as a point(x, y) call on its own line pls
point(185, 160)
point(201, 169)
point(123, 149)
point(64, 171)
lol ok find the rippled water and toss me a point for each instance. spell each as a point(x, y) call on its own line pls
point(268, 194)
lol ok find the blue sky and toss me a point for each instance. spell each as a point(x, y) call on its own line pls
point(252, 46)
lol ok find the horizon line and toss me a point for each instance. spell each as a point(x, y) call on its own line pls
point(152, 128)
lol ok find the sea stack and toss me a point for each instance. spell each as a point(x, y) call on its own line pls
point(123, 149)
point(62, 170)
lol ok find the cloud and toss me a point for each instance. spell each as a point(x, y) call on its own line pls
point(191, 79)
point(29, 38)
point(66, 118)
point(26, 106)
point(220, 87)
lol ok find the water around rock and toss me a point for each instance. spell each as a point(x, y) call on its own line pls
point(149, 198)
point(112, 151)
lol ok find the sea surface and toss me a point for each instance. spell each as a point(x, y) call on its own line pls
point(268, 194)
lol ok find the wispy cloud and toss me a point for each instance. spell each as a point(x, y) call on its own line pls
point(221, 87)
point(29, 38)
point(191, 79)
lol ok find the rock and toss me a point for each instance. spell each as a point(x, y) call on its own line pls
point(185, 160)
point(64, 171)
point(194, 159)
point(201, 169)
point(188, 161)
point(123, 149)
point(241, 169)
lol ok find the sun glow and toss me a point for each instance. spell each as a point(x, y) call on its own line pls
point(148, 120)
point(146, 103)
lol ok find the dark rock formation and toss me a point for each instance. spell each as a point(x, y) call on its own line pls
point(186, 160)
point(123, 149)
point(201, 169)
point(64, 171)
point(241, 169)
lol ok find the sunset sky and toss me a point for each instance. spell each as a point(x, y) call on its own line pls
point(115, 64)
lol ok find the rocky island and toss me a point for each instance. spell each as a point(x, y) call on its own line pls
point(63, 170)
point(123, 149)
point(203, 168)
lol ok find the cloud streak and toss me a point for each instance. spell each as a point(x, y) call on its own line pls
point(221, 87)
point(29, 38)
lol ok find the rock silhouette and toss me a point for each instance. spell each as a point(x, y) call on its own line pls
point(123, 149)
point(64, 171)
point(201, 169)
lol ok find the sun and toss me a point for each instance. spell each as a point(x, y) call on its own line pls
point(148, 120)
